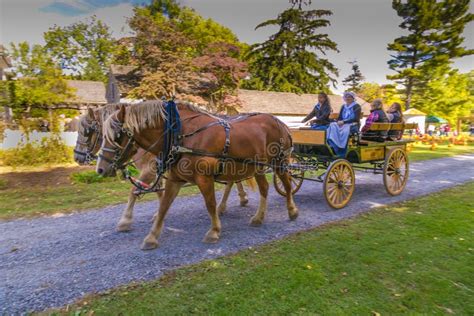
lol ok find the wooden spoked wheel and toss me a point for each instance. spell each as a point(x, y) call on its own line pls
point(339, 183)
point(395, 171)
point(296, 178)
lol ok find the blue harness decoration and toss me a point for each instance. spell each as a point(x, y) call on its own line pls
point(171, 137)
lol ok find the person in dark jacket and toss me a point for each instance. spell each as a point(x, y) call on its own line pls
point(350, 113)
point(320, 113)
point(395, 115)
point(377, 115)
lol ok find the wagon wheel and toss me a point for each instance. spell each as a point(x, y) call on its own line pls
point(339, 183)
point(395, 171)
point(296, 178)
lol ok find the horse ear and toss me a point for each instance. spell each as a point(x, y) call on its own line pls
point(90, 113)
point(121, 113)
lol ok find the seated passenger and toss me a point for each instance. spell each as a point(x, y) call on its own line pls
point(395, 115)
point(377, 115)
point(347, 123)
point(320, 112)
point(350, 113)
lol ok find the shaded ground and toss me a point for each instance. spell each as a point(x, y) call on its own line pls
point(44, 178)
point(50, 262)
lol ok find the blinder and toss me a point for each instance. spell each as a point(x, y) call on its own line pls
point(88, 132)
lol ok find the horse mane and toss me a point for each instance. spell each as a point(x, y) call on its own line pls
point(107, 110)
point(145, 115)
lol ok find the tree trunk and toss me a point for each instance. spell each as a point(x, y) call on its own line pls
point(409, 93)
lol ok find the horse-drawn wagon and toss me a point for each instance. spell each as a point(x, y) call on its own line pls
point(312, 154)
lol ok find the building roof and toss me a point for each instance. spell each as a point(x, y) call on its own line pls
point(90, 92)
point(285, 103)
point(126, 77)
point(5, 61)
point(414, 112)
point(121, 70)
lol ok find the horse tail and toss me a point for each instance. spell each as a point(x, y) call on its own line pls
point(251, 183)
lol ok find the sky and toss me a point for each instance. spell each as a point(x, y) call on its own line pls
point(361, 28)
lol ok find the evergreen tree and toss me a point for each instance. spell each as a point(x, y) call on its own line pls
point(290, 60)
point(354, 80)
point(434, 39)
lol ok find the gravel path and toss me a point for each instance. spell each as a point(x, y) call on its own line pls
point(49, 262)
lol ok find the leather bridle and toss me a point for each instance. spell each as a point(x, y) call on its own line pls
point(90, 145)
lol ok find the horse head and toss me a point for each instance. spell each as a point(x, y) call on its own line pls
point(88, 139)
point(118, 145)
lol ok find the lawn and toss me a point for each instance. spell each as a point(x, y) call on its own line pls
point(413, 258)
point(49, 199)
point(423, 152)
point(39, 201)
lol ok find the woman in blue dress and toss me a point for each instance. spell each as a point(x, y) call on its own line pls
point(321, 112)
point(347, 123)
point(350, 113)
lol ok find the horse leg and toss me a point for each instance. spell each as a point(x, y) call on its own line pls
point(262, 183)
point(206, 186)
point(223, 204)
point(160, 197)
point(125, 222)
point(126, 219)
point(171, 191)
point(290, 203)
point(242, 194)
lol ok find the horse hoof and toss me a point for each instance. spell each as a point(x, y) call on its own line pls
point(256, 222)
point(210, 238)
point(124, 227)
point(221, 209)
point(293, 215)
point(244, 202)
point(149, 243)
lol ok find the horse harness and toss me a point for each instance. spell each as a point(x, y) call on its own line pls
point(89, 131)
point(173, 148)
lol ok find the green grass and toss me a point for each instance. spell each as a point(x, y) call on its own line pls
point(64, 199)
point(423, 152)
point(413, 258)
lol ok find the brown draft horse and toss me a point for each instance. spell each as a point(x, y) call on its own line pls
point(88, 144)
point(256, 141)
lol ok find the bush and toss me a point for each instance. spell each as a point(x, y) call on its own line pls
point(49, 151)
point(88, 177)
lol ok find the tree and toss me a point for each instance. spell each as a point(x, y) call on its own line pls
point(434, 39)
point(222, 71)
point(83, 49)
point(448, 96)
point(180, 53)
point(354, 80)
point(39, 83)
point(369, 91)
point(162, 55)
point(290, 60)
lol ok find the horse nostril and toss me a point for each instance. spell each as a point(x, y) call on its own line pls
point(100, 171)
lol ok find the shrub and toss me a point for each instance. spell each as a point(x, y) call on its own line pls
point(89, 177)
point(49, 151)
